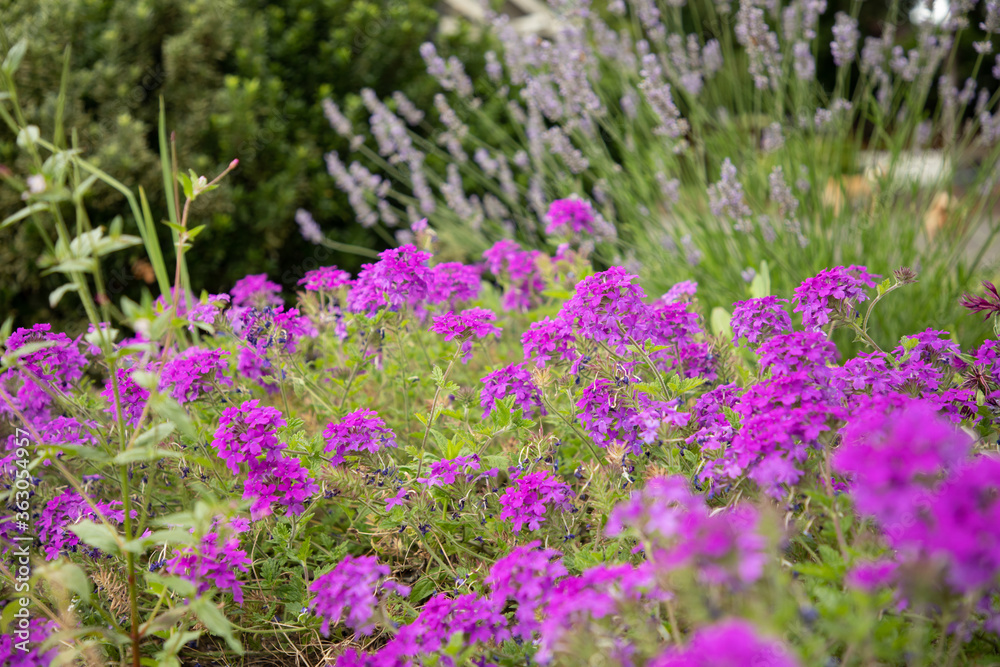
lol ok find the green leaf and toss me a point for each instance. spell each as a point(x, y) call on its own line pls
point(216, 622)
point(56, 295)
point(760, 286)
point(141, 454)
point(24, 213)
point(720, 322)
point(155, 435)
point(186, 186)
point(172, 410)
point(98, 535)
point(180, 586)
point(422, 590)
point(69, 576)
point(13, 58)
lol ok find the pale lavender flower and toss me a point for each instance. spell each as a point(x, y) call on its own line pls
point(407, 109)
point(992, 22)
point(845, 39)
point(772, 138)
point(725, 198)
point(337, 120)
point(310, 230)
point(805, 64)
point(658, 95)
point(782, 195)
point(753, 33)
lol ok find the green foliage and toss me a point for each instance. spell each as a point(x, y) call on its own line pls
point(241, 79)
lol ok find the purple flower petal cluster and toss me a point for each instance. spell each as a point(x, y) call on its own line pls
point(212, 564)
point(715, 431)
point(608, 308)
point(597, 593)
point(65, 510)
point(518, 272)
point(723, 548)
point(514, 380)
point(832, 292)
point(275, 328)
point(247, 435)
point(352, 585)
point(621, 420)
point(132, 397)
point(525, 576)
point(400, 278)
point(549, 339)
point(359, 431)
point(573, 216)
point(191, 373)
point(454, 283)
point(56, 365)
point(256, 367)
point(758, 319)
point(733, 643)
point(59, 362)
point(325, 279)
point(526, 501)
point(256, 291)
point(799, 351)
point(447, 471)
point(911, 472)
point(674, 329)
point(441, 618)
point(782, 418)
point(464, 326)
point(682, 291)
point(896, 448)
point(31, 634)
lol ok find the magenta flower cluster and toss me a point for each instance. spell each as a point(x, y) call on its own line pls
point(680, 531)
point(65, 510)
point(758, 319)
point(830, 292)
point(514, 380)
point(192, 373)
point(247, 436)
point(212, 563)
point(359, 431)
point(573, 216)
point(532, 494)
point(473, 323)
point(353, 586)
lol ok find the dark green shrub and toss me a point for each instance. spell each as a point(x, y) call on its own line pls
point(240, 79)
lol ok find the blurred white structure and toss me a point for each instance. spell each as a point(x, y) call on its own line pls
point(528, 17)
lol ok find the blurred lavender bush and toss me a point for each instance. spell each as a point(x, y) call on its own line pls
point(701, 131)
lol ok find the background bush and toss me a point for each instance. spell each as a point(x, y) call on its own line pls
point(240, 79)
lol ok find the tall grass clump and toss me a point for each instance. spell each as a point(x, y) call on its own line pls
point(700, 131)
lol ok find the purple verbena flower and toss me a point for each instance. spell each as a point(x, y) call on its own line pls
point(325, 279)
point(213, 563)
point(758, 319)
point(831, 291)
point(526, 501)
point(354, 585)
point(513, 380)
point(359, 431)
point(473, 323)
